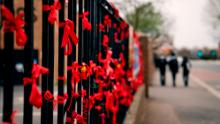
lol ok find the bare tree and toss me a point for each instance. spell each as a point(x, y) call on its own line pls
point(213, 14)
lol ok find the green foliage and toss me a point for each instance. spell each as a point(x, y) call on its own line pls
point(146, 19)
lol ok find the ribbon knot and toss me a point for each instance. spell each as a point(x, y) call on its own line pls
point(107, 21)
point(68, 35)
point(35, 97)
point(85, 22)
point(11, 24)
point(52, 8)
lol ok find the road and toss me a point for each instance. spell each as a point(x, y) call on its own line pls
point(197, 104)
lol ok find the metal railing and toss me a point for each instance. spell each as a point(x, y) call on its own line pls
point(95, 41)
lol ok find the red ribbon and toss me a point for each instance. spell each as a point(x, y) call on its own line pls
point(76, 116)
point(98, 96)
point(116, 37)
point(107, 21)
point(63, 78)
point(83, 93)
point(106, 62)
point(91, 67)
point(11, 24)
point(48, 96)
point(75, 78)
point(103, 117)
point(116, 11)
point(52, 8)
point(35, 97)
point(98, 107)
point(109, 101)
point(105, 40)
point(37, 70)
point(68, 35)
point(62, 99)
point(101, 27)
point(91, 102)
point(11, 118)
point(85, 22)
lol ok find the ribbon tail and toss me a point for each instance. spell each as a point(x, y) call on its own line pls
point(21, 37)
point(35, 98)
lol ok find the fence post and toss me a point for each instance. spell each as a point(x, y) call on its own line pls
point(146, 63)
point(86, 57)
point(80, 53)
point(60, 119)
point(71, 58)
point(28, 60)
point(48, 62)
point(8, 69)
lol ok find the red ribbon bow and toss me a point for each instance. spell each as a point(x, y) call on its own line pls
point(105, 40)
point(68, 35)
point(11, 23)
point(101, 27)
point(35, 97)
point(62, 99)
point(75, 78)
point(53, 14)
point(107, 21)
point(85, 22)
point(37, 70)
point(48, 96)
point(106, 62)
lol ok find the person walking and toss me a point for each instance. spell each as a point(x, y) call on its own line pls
point(173, 65)
point(162, 68)
point(186, 65)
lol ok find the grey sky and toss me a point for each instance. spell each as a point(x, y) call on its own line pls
point(189, 27)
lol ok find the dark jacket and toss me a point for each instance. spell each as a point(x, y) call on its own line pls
point(162, 65)
point(186, 66)
point(173, 64)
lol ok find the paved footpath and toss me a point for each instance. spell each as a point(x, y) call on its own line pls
point(167, 105)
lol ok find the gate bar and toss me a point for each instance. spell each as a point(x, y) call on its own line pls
point(71, 58)
point(48, 62)
point(60, 118)
point(8, 69)
point(28, 59)
point(80, 52)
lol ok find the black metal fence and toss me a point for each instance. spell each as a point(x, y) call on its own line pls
point(95, 40)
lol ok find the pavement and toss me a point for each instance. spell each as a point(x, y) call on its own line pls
point(197, 104)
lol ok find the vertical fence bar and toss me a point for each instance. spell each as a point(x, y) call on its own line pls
point(8, 69)
point(71, 58)
point(92, 52)
point(95, 119)
point(80, 52)
point(48, 62)
point(86, 57)
point(61, 82)
point(28, 52)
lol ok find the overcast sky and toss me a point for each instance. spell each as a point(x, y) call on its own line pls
point(189, 26)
